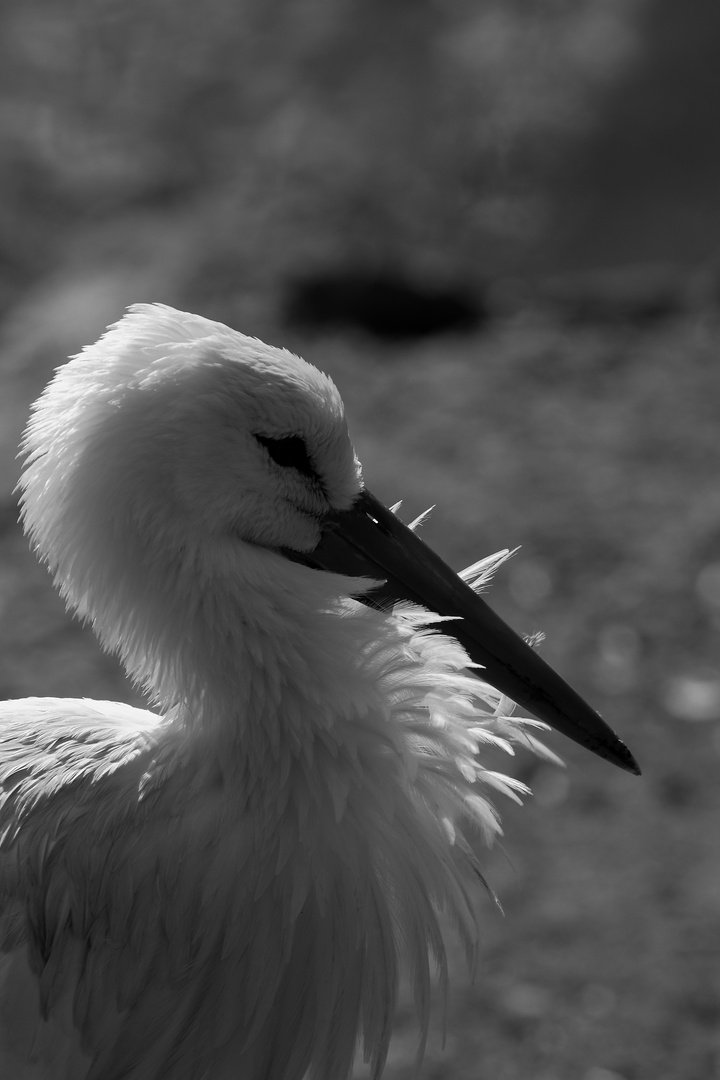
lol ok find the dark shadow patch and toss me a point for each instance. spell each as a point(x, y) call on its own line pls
point(386, 304)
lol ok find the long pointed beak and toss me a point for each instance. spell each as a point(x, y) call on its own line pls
point(368, 540)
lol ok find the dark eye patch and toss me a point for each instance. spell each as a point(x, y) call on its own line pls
point(290, 452)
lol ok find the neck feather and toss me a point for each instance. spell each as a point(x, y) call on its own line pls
point(244, 647)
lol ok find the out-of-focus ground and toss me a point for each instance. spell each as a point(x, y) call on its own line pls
point(555, 169)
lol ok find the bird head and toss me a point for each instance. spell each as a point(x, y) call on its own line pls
point(173, 427)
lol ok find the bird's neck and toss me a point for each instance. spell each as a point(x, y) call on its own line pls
point(263, 660)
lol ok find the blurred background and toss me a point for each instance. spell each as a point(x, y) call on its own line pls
point(496, 224)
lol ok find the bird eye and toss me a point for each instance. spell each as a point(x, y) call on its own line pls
point(289, 451)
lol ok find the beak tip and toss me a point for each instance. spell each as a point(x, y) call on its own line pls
point(617, 753)
point(629, 761)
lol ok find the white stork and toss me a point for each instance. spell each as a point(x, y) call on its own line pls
point(225, 887)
